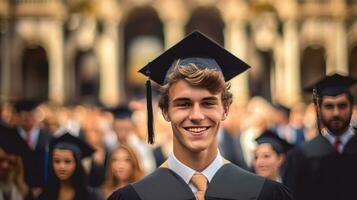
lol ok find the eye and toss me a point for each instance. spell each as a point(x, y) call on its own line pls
point(183, 104)
point(328, 106)
point(342, 105)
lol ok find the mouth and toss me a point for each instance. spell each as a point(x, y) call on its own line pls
point(196, 131)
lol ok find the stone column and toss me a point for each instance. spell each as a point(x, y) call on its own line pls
point(236, 42)
point(174, 31)
point(108, 54)
point(55, 59)
point(292, 63)
point(341, 51)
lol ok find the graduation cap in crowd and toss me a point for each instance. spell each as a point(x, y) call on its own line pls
point(67, 141)
point(197, 49)
point(10, 142)
point(121, 112)
point(282, 108)
point(26, 105)
point(279, 145)
point(332, 85)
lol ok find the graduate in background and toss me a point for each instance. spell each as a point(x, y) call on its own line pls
point(270, 155)
point(36, 140)
point(195, 98)
point(67, 178)
point(12, 184)
point(123, 168)
point(325, 167)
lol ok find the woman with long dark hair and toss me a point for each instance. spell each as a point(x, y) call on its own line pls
point(67, 178)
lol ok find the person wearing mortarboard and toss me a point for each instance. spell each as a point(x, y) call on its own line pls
point(36, 140)
point(12, 183)
point(284, 128)
point(195, 98)
point(270, 155)
point(67, 178)
point(325, 167)
point(126, 133)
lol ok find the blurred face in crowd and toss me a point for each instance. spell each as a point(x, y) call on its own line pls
point(121, 165)
point(7, 162)
point(336, 112)
point(64, 164)
point(267, 161)
point(27, 119)
point(195, 115)
point(122, 128)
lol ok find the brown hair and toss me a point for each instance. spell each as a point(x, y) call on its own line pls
point(111, 183)
point(17, 173)
point(210, 79)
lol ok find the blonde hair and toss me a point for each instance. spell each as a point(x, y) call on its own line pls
point(111, 183)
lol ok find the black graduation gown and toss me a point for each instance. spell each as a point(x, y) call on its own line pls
point(316, 171)
point(34, 160)
point(230, 182)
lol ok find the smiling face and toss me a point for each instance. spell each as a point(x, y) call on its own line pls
point(63, 163)
point(267, 162)
point(336, 112)
point(195, 115)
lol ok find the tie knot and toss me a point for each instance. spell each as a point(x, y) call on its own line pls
point(199, 181)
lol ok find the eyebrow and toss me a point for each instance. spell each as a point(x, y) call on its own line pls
point(209, 98)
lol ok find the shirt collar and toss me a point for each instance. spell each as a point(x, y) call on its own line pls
point(343, 138)
point(186, 172)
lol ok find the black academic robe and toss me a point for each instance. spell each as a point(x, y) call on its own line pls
point(36, 160)
point(230, 182)
point(315, 170)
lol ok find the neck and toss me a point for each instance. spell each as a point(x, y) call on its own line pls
point(197, 161)
point(65, 184)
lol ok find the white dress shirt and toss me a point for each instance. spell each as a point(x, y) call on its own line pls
point(344, 138)
point(186, 172)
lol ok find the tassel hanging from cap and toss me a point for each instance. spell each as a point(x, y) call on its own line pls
point(150, 116)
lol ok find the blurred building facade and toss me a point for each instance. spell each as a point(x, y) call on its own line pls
point(90, 50)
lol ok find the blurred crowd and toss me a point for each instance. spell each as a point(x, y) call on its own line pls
point(118, 137)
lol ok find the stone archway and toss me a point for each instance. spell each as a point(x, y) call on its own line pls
point(313, 67)
point(143, 40)
point(207, 20)
point(35, 73)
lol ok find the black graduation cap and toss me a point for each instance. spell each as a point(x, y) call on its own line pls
point(121, 112)
point(332, 85)
point(10, 142)
point(282, 108)
point(195, 48)
point(279, 145)
point(67, 141)
point(26, 105)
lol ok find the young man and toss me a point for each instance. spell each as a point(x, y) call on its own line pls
point(325, 167)
point(195, 98)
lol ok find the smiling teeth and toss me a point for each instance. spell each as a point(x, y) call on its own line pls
point(196, 130)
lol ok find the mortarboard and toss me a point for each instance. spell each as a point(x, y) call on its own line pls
point(67, 141)
point(26, 105)
point(197, 49)
point(121, 112)
point(332, 85)
point(279, 145)
point(282, 108)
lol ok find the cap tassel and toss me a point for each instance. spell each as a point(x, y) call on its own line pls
point(149, 112)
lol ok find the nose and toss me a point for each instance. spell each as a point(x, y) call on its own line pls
point(196, 113)
point(336, 111)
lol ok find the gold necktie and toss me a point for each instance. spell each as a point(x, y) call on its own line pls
point(200, 182)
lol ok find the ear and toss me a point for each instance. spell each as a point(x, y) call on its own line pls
point(166, 115)
point(225, 113)
point(281, 159)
